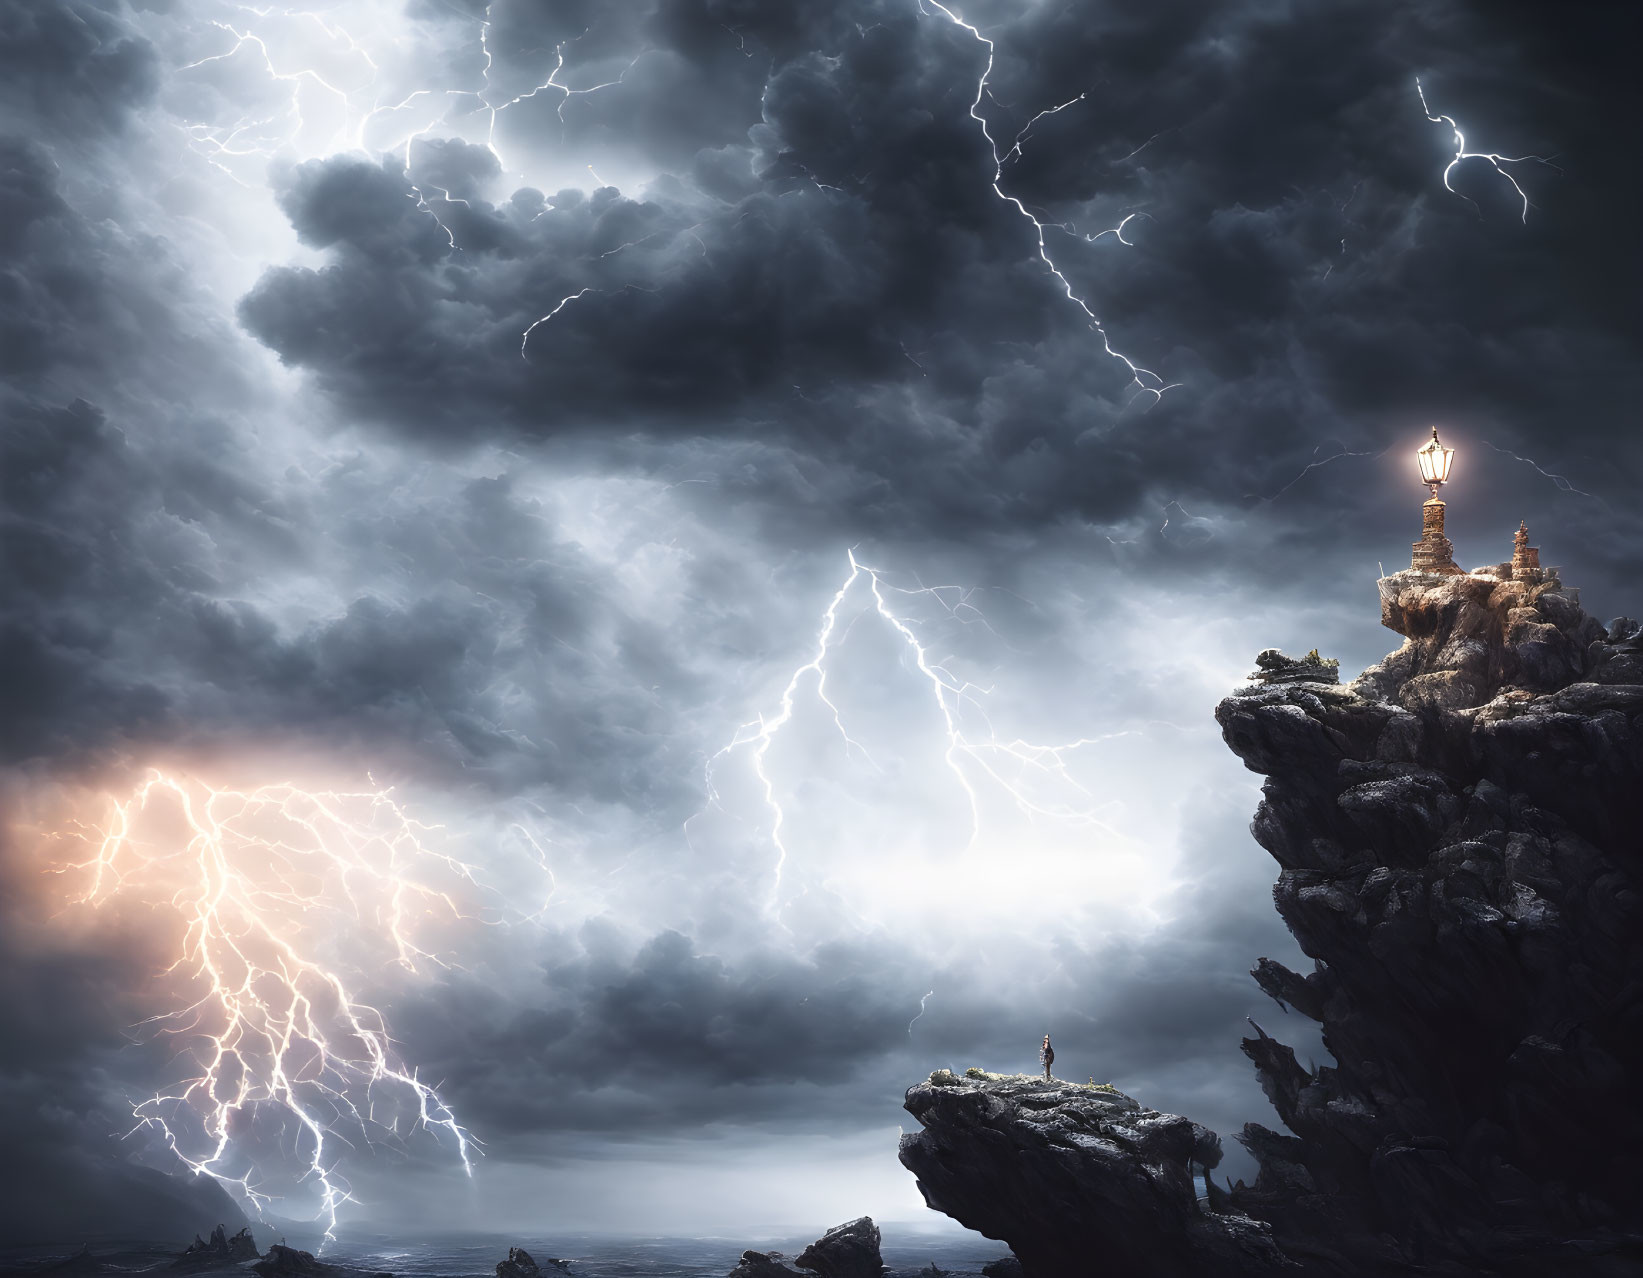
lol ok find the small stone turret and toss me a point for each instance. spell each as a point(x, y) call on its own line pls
point(1433, 552)
point(1525, 558)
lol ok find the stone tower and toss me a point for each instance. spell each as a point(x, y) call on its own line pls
point(1525, 558)
point(1433, 552)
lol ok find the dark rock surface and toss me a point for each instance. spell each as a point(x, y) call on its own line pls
point(521, 1264)
point(288, 1262)
point(1273, 666)
point(1459, 834)
point(850, 1250)
point(764, 1264)
point(1076, 1179)
point(219, 1250)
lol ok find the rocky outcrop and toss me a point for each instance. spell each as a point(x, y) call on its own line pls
point(521, 1264)
point(850, 1250)
point(1459, 834)
point(289, 1262)
point(219, 1250)
point(1272, 666)
point(1077, 1179)
point(763, 1264)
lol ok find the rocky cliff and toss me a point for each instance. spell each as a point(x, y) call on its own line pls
point(1077, 1179)
point(1460, 836)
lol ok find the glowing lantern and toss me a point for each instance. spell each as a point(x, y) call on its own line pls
point(1435, 461)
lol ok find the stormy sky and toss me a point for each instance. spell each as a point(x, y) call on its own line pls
point(487, 402)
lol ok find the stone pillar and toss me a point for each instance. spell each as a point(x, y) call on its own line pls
point(1433, 552)
point(1525, 558)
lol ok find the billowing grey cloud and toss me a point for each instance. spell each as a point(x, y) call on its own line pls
point(1296, 264)
point(542, 588)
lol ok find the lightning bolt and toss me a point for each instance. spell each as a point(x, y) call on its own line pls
point(260, 878)
point(1560, 481)
point(552, 82)
point(1320, 461)
point(973, 757)
point(265, 136)
point(1145, 381)
point(921, 1004)
point(1495, 159)
point(262, 136)
point(563, 303)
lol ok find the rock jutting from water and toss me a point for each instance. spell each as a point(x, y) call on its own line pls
point(850, 1250)
point(1459, 834)
point(220, 1249)
point(521, 1264)
point(290, 1262)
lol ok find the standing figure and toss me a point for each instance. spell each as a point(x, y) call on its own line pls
point(1046, 1054)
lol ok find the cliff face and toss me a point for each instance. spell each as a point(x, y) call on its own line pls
point(1077, 1180)
point(1460, 836)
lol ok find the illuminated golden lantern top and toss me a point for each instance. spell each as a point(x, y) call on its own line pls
point(1435, 461)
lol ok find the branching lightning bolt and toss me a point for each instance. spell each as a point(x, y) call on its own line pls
point(247, 137)
point(1144, 380)
point(1495, 159)
point(265, 136)
point(551, 82)
point(256, 878)
point(972, 757)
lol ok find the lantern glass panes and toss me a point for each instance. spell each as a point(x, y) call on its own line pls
point(1435, 461)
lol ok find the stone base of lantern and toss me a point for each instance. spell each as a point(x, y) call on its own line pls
point(1433, 552)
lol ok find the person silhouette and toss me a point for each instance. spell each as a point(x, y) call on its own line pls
point(1046, 1054)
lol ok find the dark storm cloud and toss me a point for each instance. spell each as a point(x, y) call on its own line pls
point(71, 66)
point(67, 1172)
point(119, 632)
point(635, 1035)
point(845, 275)
point(665, 1035)
point(820, 316)
point(123, 618)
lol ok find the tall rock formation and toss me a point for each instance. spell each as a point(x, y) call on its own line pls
point(1460, 840)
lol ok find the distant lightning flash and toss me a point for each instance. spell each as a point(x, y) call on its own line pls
point(261, 878)
point(921, 1004)
point(563, 303)
point(1144, 380)
point(971, 757)
point(1560, 481)
point(1320, 461)
point(1496, 160)
point(266, 136)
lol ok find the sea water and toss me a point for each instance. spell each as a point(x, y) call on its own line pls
point(907, 1253)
